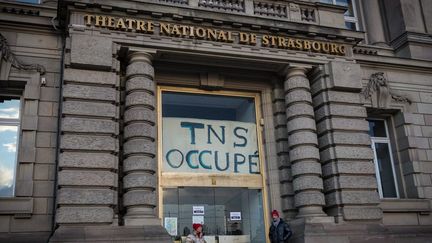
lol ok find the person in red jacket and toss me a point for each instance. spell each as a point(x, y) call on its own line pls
point(280, 232)
point(197, 235)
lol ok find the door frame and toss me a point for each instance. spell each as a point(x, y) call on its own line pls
point(171, 180)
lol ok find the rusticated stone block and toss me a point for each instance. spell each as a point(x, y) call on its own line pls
point(302, 137)
point(139, 146)
point(140, 98)
point(89, 142)
point(298, 95)
point(349, 167)
point(139, 163)
point(87, 178)
point(285, 175)
point(308, 198)
point(89, 92)
point(281, 133)
point(296, 82)
point(336, 96)
point(140, 130)
point(303, 123)
point(306, 167)
point(139, 114)
point(345, 75)
point(88, 160)
point(92, 77)
point(342, 138)
point(361, 213)
point(69, 215)
point(342, 124)
point(345, 152)
point(89, 108)
point(340, 110)
point(307, 182)
point(72, 124)
point(304, 153)
point(279, 107)
point(139, 197)
point(140, 180)
point(93, 51)
point(299, 109)
point(87, 196)
point(280, 119)
point(278, 93)
point(140, 83)
point(350, 182)
point(287, 189)
point(140, 68)
point(352, 197)
point(282, 146)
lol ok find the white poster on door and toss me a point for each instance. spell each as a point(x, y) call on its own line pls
point(209, 146)
point(235, 216)
point(197, 219)
point(198, 210)
point(171, 225)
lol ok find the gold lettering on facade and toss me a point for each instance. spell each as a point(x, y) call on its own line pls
point(212, 34)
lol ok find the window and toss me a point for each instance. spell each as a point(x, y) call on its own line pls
point(383, 160)
point(351, 20)
point(29, 1)
point(210, 165)
point(9, 127)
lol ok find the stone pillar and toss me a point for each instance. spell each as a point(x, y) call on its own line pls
point(284, 165)
point(373, 22)
point(303, 145)
point(350, 185)
point(139, 148)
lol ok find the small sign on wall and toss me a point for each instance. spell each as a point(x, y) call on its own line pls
point(235, 216)
point(197, 219)
point(198, 210)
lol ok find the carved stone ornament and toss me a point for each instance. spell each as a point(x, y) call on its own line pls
point(8, 59)
point(379, 92)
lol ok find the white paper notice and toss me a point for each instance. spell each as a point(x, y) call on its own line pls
point(197, 219)
point(198, 210)
point(235, 216)
point(171, 225)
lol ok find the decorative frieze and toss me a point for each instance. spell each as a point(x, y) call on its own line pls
point(226, 5)
point(270, 9)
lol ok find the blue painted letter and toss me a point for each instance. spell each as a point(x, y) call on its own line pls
point(192, 126)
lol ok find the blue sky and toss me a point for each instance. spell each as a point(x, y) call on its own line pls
point(9, 111)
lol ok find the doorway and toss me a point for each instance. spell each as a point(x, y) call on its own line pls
point(228, 214)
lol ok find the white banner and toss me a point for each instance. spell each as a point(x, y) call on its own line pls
point(209, 146)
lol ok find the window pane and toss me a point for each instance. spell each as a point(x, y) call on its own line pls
point(10, 109)
point(8, 148)
point(212, 107)
point(377, 128)
point(28, 1)
point(327, 1)
point(385, 170)
point(350, 25)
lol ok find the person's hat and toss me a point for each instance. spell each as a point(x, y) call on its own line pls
point(275, 212)
point(196, 226)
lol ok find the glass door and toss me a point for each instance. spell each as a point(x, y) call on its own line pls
point(228, 214)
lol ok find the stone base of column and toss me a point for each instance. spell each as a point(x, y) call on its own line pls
point(144, 234)
point(138, 220)
point(313, 231)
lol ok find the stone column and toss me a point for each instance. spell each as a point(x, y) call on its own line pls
point(284, 165)
point(303, 145)
point(139, 149)
point(373, 22)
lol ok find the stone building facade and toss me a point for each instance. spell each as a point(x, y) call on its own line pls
point(135, 119)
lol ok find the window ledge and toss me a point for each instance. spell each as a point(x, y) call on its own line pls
point(20, 207)
point(421, 206)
